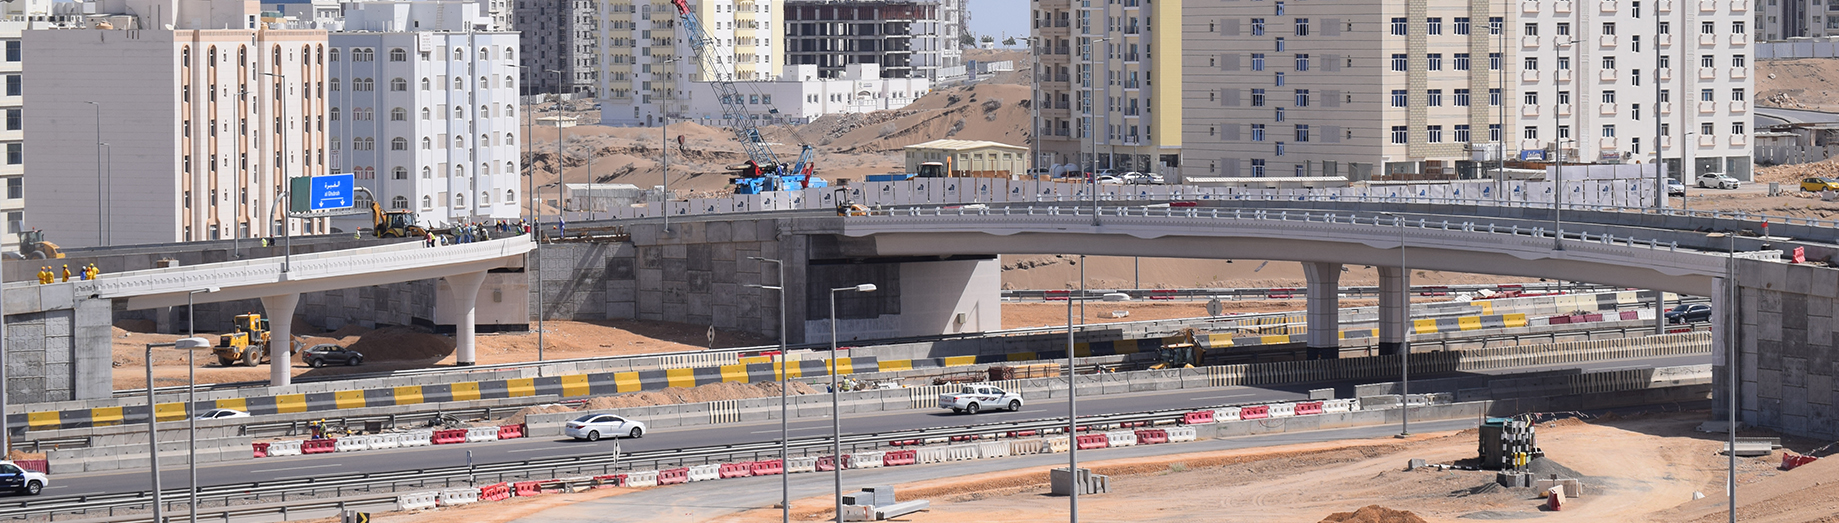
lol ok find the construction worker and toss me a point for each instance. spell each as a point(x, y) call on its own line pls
point(94, 271)
point(44, 275)
point(66, 272)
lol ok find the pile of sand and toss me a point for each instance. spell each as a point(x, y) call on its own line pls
point(401, 344)
point(525, 412)
point(1373, 514)
point(697, 394)
point(1807, 493)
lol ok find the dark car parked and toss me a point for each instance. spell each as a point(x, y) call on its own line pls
point(328, 354)
point(1689, 313)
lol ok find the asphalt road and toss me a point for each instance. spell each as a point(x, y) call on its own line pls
point(370, 462)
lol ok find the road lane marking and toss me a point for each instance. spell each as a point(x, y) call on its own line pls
point(1221, 397)
point(297, 468)
point(538, 449)
point(793, 429)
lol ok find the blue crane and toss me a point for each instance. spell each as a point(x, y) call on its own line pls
point(763, 172)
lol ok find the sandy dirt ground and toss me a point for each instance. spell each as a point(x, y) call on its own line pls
point(1639, 469)
point(1798, 84)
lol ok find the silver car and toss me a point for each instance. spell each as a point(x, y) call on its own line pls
point(594, 426)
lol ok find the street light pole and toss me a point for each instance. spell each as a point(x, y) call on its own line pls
point(836, 412)
point(287, 229)
point(191, 402)
point(1730, 369)
point(1072, 414)
point(153, 436)
point(785, 481)
point(1092, 126)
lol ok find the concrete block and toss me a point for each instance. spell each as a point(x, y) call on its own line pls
point(56, 296)
point(20, 301)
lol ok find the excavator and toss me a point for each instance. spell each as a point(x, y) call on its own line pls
point(398, 224)
point(1181, 351)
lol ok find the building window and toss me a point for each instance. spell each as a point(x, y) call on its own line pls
point(1302, 97)
point(15, 153)
point(1609, 97)
point(15, 122)
point(1280, 44)
point(1494, 97)
point(1433, 61)
point(1609, 62)
point(1462, 26)
point(1736, 95)
point(396, 84)
point(1462, 99)
point(1257, 98)
point(1433, 98)
point(1398, 26)
point(13, 85)
point(1302, 133)
point(12, 50)
point(1398, 97)
point(1399, 135)
point(399, 55)
point(1302, 62)
point(1609, 28)
point(399, 115)
point(1257, 61)
point(1398, 63)
point(1279, 8)
point(1530, 133)
point(1302, 27)
point(1494, 25)
point(15, 188)
point(1462, 134)
point(1279, 148)
point(1462, 62)
point(399, 202)
point(1705, 95)
point(1257, 132)
point(1494, 61)
point(1708, 28)
point(1278, 80)
point(1564, 132)
point(1531, 63)
point(1434, 133)
point(1705, 129)
point(1609, 131)
point(1738, 61)
point(15, 222)
point(400, 173)
point(1531, 29)
point(1433, 26)
point(1257, 168)
point(1257, 27)
point(1494, 132)
point(1278, 116)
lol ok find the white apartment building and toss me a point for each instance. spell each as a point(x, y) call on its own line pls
point(648, 70)
point(1436, 88)
point(424, 110)
point(803, 94)
point(1112, 68)
point(15, 18)
point(203, 124)
point(1784, 19)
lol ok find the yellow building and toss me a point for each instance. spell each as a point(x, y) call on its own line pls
point(970, 158)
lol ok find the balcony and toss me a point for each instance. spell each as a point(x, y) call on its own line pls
point(1739, 72)
point(1666, 107)
point(1708, 73)
point(1665, 6)
point(1564, 75)
point(1739, 39)
point(1564, 109)
point(1607, 143)
point(1708, 6)
point(1529, 41)
point(1706, 40)
point(1708, 107)
point(1529, 7)
point(1529, 76)
point(1563, 43)
point(1561, 6)
point(1738, 6)
point(1606, 75)
point(1608, 6)
point(1606, 109)
point(1665, 40)
point(1739, 107)
point(1527, 145)
point(1708, 141)
point(1739, 140)
point(1666, 74)
point(1666, 142)
point(1606, 40)
point(1529, 110)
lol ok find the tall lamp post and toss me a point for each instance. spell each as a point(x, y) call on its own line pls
point(153, 434)
point(1404, 346)
point(191, 400)
point(785, 482)
point(536, 210)
point(1092, 122)
point(287, 229)
point(836, 416)
point(1730, 369)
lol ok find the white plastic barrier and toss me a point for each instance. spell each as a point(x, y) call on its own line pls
point(1226, 414)
point(1339, 406)
point(417, 438)
point(1057, 444)
point(1121, 438)
point(415, 500)
point(993, 449)
point(1025, 447)
point(385, 441)
point(648, 478)
point(458, 496)
point(797, 465)
point(961, 452)
point(932, 455)
point(866, 460)
point(284, 448)
point(708, 472)
point(1181, 434)
point(1283, 410)
point(479, 434)
point(352, 444)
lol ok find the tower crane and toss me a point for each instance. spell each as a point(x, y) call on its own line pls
point(762, 172)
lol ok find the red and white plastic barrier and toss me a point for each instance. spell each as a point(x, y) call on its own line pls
point(1791, 460)
point(1199, 417)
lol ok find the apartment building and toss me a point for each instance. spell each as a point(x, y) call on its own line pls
point(558, 45)
point(424, 110)
point(15, 18)
point(906, 38)
point(649, 71)
point(1110, 83)
point(203, 125)
point(1784, 19)
point(1440, 88)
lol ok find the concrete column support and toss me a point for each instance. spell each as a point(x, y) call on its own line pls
point(1394, 304)
point(280, 310)
point(465, 298)
point(1660, 312)
point(1324, 309)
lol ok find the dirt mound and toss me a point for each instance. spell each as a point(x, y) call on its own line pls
point(522, 413)
point(1373, 514)
point(697, 394)
point(402, 344)
point(1808, 493)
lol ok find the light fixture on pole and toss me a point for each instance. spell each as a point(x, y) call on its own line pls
point(664, 121)
point(191, 402)
point(287, 229)
point(153, 434)
point(1731, 376)
point(1404, 332)
point(1072, 409)
point(836, 412)
point(1092, 125)
point(785, 481)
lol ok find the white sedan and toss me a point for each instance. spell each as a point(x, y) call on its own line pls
point(1717, 181)
point(593, 426)
point(222, 414)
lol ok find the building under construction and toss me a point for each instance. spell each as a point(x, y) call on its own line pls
point(908, 38)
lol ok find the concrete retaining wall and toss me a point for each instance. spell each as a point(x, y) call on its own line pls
point(1788, 346)
point(57, 343)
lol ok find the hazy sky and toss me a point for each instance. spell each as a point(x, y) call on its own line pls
point(999, 17)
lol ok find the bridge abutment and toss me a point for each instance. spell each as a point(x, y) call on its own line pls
point(1324, 309)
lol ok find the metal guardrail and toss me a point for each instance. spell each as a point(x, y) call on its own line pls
point(1147, 295)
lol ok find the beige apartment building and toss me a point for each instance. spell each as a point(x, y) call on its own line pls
point(1109, 83)
point(648, 69)
point(199, 144)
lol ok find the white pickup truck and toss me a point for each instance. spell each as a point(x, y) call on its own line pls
point(975, 397)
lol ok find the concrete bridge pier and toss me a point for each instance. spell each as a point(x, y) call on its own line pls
point(1394, 309)
point(1324, 309)
point(465, 298)
point(280, 310)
